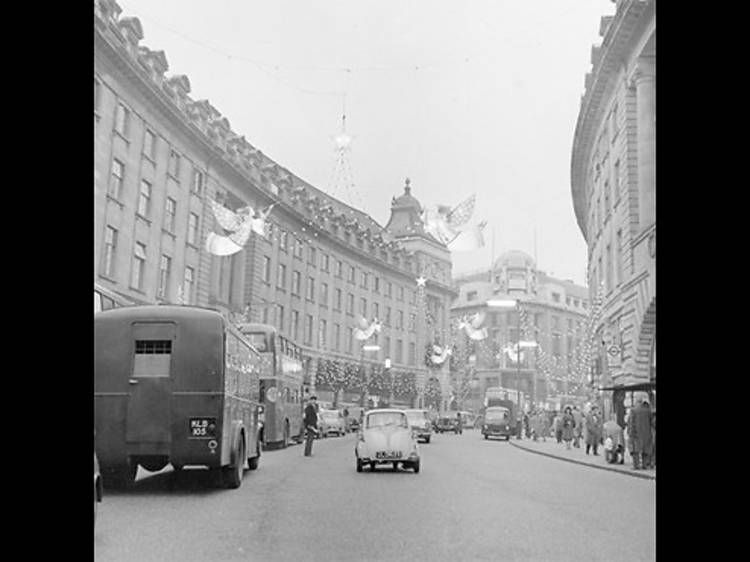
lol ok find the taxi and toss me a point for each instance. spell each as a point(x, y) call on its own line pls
point(387, 438)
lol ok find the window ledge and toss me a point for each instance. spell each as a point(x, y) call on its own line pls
point(169, 233)
point(114, 200)
point(108, 278)
point(144, 219)
point(119, 134)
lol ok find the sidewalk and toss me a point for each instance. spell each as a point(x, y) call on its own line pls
point(557, 450)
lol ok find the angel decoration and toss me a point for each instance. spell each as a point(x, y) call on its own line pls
point(473, 326)
point(451, 226)
point(440, 354)
point(364, 329)
point(240, 224)
point(512, 351)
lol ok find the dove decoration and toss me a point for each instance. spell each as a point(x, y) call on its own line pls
point(440, 354)
point(364, 329)
point(469, 240)
point(240, 224)
point(473, 327)
point(445, 224)
point(511, 350)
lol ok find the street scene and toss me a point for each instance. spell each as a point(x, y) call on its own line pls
point(375, 281)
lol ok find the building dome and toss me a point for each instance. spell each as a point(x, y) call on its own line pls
point(407, 200)
point(515, 259)
point(406, 215)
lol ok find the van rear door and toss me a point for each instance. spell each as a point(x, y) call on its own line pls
point(150, 384)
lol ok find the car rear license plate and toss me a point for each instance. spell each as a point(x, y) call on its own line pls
point(202, 427)
point(387, 455)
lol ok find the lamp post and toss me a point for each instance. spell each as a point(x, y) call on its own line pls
point(516, 303)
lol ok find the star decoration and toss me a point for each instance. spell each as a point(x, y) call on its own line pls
point(421, 280)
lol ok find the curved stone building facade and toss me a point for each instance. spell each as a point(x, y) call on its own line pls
point(613, 184)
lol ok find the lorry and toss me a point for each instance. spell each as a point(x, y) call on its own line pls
point(508, 398)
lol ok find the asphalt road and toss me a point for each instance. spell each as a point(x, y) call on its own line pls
point(472, 500)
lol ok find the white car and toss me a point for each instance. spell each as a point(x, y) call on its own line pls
point(387, 438)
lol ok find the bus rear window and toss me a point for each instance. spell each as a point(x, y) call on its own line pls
point(152, 358)
point(258, 340)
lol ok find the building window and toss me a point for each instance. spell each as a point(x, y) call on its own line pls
point(308, 329)
point(337, 300)
point(616, 180)
point(118, 178)
point(376, 284)
point(556, 297)
point(196, 186)
point(298, 248)
point(363, 306)
point(556, 345)
point(170, 211)
point(400, 293)
point(400, 320)
point(337, 337)
point(192, 236)
point(567, 301)
point(349, 303)
point(110, 250)
point(311, 289)
point(97, 94)
point(312, 256)
point(295, 325)
point(322, 333)
point(174, 164)
point(364, 280)
point(296, 281)
point(122, 120)
point(283, 240)
point(399, 351)
point(149, 145)
point(144, 199)
point(609, 267)
point(324, 294)
point(339, 269)
point(352, 274)
point(607, 199)
point(264, 316)
point(387, 321)
point(387, 346)
point(139, 266)
point(280, 317)
point(388, 289)
point(281, 276)
point(471, 296)
point(412, 297)
point(375, 310)
point(324, 261)
point(412, 353)
point(412, 322)
point(350, 340)
point(187, 285)
point(556, 323)
point(165, 271)
point(266, 270)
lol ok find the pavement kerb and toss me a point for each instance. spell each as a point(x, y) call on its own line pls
point(602, 467)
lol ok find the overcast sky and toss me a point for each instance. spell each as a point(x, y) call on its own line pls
point(462, 97)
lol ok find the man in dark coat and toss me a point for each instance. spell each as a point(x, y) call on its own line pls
point(593, 430)
point(311, 424)
point(640, 432)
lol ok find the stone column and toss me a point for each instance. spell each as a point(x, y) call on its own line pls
point(644, 80)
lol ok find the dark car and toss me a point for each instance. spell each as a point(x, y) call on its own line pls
point(98, 487)
point(497, 423)
point(448, 424)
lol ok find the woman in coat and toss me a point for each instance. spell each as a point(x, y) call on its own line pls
point(568, 426)
point(593, 430)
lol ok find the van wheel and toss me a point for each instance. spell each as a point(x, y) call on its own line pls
point(486, 436)
point(359, 465)
point(415, 466)
point(120, 477)
point(427, 439)
point(252, 462)
point(233, 473)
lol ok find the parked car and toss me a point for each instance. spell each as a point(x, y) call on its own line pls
point(448, 423)
point(387, 438)
point(420, 424)
point(331, 421)
point(98, 486)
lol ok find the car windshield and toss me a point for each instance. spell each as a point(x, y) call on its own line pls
point(386, 419)
point(496, 415)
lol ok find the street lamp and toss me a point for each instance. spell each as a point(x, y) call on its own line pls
point(366, 347)
point(516, 303)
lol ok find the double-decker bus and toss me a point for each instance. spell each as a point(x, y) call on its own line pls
point(174, 384)
point(281, 384)
point(104, 299)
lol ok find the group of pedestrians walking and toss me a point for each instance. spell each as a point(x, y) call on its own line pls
point(572, 427)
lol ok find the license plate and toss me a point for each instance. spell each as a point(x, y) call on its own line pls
point(202, 427)
point(387, 455)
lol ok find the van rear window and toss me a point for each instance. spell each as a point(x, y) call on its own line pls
point(152, 358)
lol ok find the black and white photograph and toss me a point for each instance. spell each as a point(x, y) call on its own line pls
point(374, 281)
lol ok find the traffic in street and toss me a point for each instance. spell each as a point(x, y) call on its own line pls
point(474, 499)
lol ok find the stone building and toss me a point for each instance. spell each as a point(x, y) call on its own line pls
point(613, 184)
point(160, 157)
point(553, 314)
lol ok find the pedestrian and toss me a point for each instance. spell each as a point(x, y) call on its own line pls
point(557, 424)
point(459, 423)
point(545, 425)
point(527, 425)
point(346, 419)
point(568, 426)
point(614, 441)
point(640, 430)
point(311, 423)
point(593, 430)
point(578, 429)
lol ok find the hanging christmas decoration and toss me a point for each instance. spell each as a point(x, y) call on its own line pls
point(444, 223)
point(240, 224)
point(365, 329)
point(473, 326)
point(436, 355)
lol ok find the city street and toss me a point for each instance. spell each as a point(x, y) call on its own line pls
point(473, 500)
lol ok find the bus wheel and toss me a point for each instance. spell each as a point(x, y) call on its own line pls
point(233, 473)
point(120, 477)
point(252, 463)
